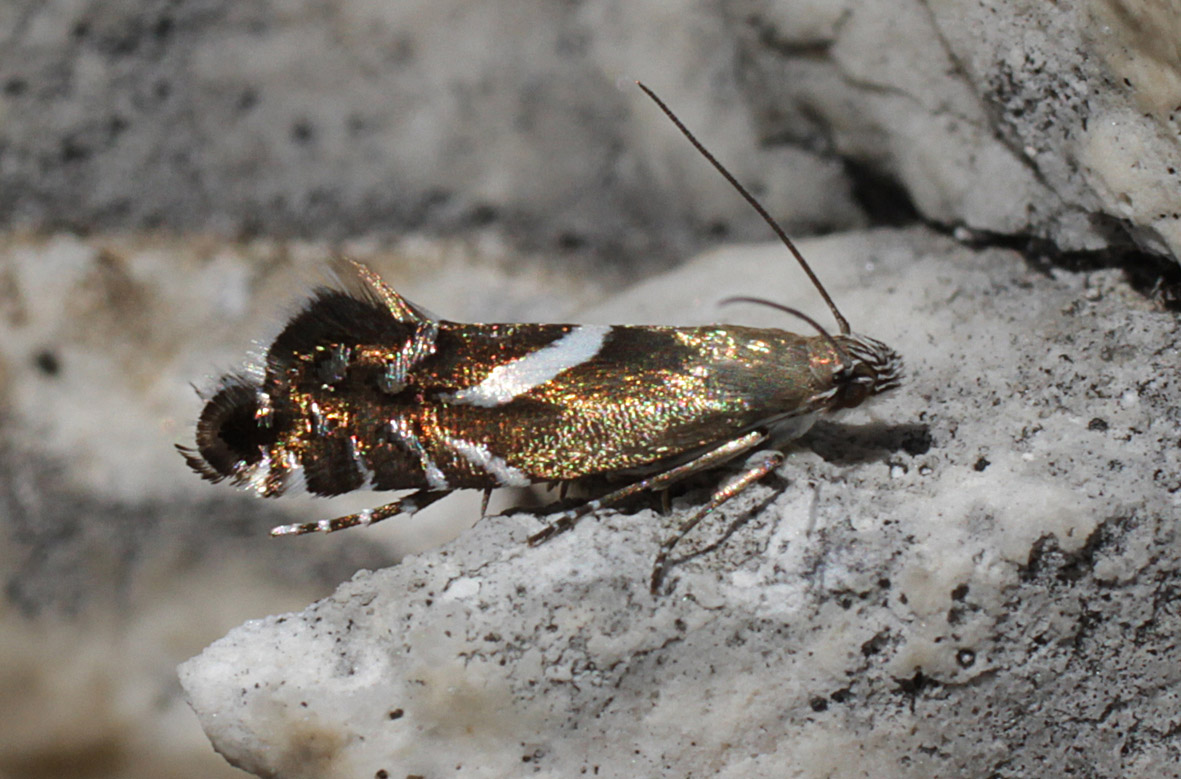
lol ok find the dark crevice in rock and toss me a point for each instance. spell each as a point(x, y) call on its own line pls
point(882, 197)
point(1154, 276)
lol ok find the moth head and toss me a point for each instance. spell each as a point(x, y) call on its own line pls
point(860, 366)
point(866, 367)
point(238, 437)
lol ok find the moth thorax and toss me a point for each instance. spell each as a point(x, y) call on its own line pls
point(237, 428)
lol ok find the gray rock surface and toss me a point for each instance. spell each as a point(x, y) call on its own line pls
point(978, 579)
point(1051, 120)
point(494, 162)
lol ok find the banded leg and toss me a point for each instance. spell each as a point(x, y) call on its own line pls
point(710, 459)
point(763, 463)
point(409, 504)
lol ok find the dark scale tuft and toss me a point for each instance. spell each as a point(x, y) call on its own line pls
point(228, 432)
point(330, 318)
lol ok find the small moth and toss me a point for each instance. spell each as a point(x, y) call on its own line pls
point(364, 389)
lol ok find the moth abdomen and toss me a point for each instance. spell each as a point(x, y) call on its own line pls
point(235, 429)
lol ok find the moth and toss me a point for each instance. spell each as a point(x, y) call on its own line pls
point(364, 389)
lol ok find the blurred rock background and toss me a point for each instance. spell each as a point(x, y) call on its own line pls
point(173, 175)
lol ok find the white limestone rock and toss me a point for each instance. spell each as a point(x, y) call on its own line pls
point(1052, 120)
point(972, 578)
point(1050, 399)
point(1017, 118)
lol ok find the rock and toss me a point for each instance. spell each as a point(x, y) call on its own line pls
point(173, 175)
point(973, 578)
point(1052, 121)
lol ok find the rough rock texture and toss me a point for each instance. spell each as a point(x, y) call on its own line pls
point(978, 580)
point(117, 562)
point(1057, 120)
point(447, 142)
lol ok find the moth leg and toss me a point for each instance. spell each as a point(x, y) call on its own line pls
point(757, 467)
point(409, 504)
point(710, 459)
point(484, 502)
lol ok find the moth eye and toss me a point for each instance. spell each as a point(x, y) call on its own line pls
point(851, 394)
point(332, 363)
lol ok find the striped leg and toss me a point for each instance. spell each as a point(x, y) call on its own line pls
point(409, 505)
point(710, 459)
point(759, 466)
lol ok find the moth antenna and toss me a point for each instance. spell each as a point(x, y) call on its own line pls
point(842, 323)
point(846, 361)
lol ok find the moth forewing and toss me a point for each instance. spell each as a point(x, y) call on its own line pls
point(364, 389)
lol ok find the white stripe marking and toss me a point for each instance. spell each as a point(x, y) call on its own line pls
point(259, 475)
point(479, 456)
point(294, 481)
point(434, 477)
point(510, 380)
point(359, 463)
